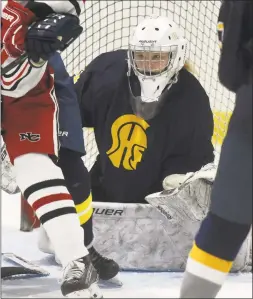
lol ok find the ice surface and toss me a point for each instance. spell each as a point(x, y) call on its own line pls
point(136, 285)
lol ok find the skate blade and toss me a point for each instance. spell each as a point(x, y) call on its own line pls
point(114, 282)
point(92, 292)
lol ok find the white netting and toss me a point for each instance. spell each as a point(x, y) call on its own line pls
point(107, 26)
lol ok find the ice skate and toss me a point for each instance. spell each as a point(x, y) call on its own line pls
point(80, 279)
point(107, 269)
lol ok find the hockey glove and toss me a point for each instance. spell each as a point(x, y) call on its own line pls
point(15, 20)
point(55, 33)
point(185, 197)
point(175, 181)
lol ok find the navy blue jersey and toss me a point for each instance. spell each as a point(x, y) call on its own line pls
point(135, 155)
point(235, 32)
point(70, 126)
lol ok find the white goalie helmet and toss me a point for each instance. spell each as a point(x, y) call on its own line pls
point(157, 52)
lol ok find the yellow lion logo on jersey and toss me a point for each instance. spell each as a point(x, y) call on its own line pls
point(129, 141)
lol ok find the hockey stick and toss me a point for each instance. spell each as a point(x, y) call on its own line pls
point(22, 58)
point(19, 267)
point(18, 61)
point(13, 64)
point(9, 67)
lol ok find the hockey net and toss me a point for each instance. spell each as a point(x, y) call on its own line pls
point(108, 24)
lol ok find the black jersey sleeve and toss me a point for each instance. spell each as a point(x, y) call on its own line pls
point(91, 90)
point(96, 85)
point(193, 134)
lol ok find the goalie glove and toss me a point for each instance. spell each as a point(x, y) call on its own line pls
point(174, 181)
point(8, 183)
point(186, 197)
point(55, 33)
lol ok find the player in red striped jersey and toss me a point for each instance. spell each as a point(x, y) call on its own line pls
point(30, 128)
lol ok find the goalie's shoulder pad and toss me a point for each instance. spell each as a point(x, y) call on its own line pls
point(56, 27)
